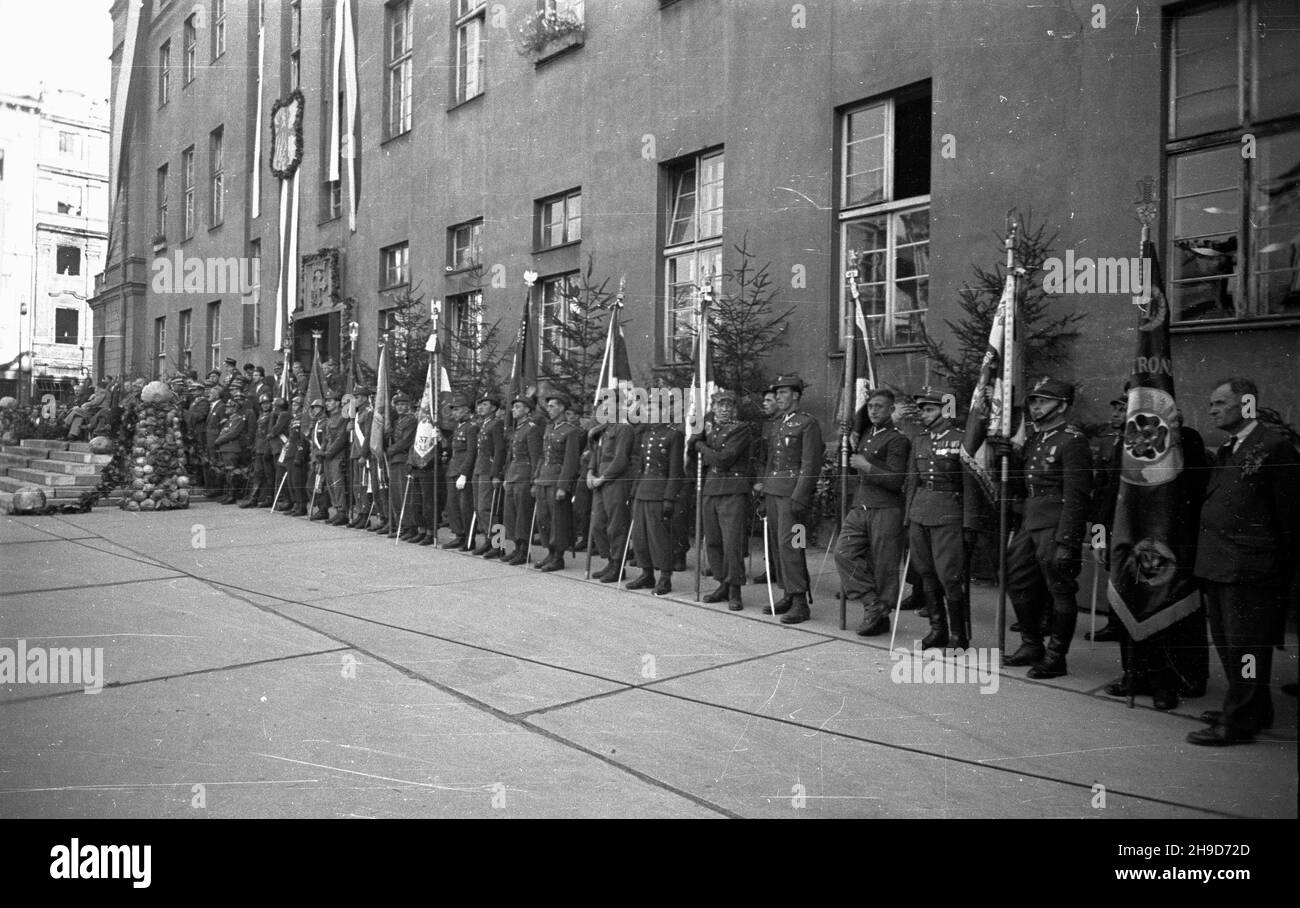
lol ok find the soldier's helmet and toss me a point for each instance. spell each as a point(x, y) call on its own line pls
point(491, 397)
point(332, 395)
point(1052, 389)
point(788, 380)
point(265, 399)
point(317, 403)
point(401, 397)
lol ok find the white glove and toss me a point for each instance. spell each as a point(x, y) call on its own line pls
point(460, 481)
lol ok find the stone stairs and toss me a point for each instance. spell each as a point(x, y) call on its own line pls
point(63, 470)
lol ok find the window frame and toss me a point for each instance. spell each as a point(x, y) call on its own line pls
point(185, 339)
point(399, 110)
point(190, 49)
point(164, 72)
point(403, 272)
point(1243, 283)
point(884, 328)
point(475, 246)
point(295, 44)
point(698, 249)
point(161, 202)
point(540, 231)
point(75, 337)
point(187, 193)
point(213, 326)
point(216, 177)
point(468, 14)
point(159, 345)
point(564, 282)
point(251, 303)
point(59, 247)
point(219, 27)
point(461, 306)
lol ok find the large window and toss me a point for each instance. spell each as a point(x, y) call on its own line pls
point(295, 43)
point(214, 335)
point(251, 287)
point(470, 18)
point(692, 251)
point(160, 346)
point(219, 26)
point(401, 66)
point(216, 177)
point(465, 246)
point(161, 208)
point(185, 348)
point(70, 145)
point(187, 196)
point(554, 295)
point(67, 326)
point(559, 220)
point(191, 49)
point(884, 213)
point(1233, 152)
point(67, 260)
point(395, 266)
point(331, 194)
point(164, 72)
point(465, 328)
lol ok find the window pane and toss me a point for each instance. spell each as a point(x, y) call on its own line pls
point(912, 147)
point(1275, 213)
point(711, 183)
point(575, 218)
point(681, 229)
point(1277, 67)
point(1206, 192)
point(864, 156)
point(1205, 71)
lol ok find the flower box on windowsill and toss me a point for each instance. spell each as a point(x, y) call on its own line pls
point(159, 243)
point(558, 45)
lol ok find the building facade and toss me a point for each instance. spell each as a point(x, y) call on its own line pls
point(650, 139)
point(53, 233)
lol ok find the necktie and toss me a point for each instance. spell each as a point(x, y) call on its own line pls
point(1225, 452)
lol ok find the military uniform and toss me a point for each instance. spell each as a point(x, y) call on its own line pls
point(365, 481)
point(794, 462)
point(762, 443)
point(558, 473)
point(658, 453)
point(318, 492)
point(214, 476)
point(489, 468)
point(263, 470)
point(460, 501)
point(297, 455)
point(610, 447)
point(871, 536)
point(725, 451)
point(524, 457)
point(935, 513)
point(397, 452)
point(334, 456)
point(276, 459)
point(229, 444)
point(1056, 468)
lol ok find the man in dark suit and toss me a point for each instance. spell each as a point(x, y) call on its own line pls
point(1250, 532)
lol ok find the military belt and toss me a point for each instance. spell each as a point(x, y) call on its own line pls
point(933, 486)
point(1044, 491)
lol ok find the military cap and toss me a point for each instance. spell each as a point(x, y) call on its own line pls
point(557, 394)
point(1123, 397)
point(317, 403)
point(526, 399)
point(248, 367)
point(231, 361)
point(929, 396)
point(401, 397)
point(362, 389)
point(236, 390)
point(279, 403)
point(789, 380)
point(264, 399)
point(724, 397)
point(459, 400)
point(332, 395)
point(491, 397)
point(1052, 389)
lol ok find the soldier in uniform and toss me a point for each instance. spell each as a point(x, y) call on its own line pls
point(794, 461)
point(1107, 457)
point(397, 453)
point(770, 419)
point(871, 538)
point(364, 481)
point(610, 480)
point(460, 494)
point(277, 438)
point(259, 494)
point(229, 444)
point(556, 479)
point(334, 458)
point(1044, 557)
point(658, 450)
point(213, 479)
point(935, 512)
point(524, 457)
point(292, 460)
point(489, 468)
point(317, 494)
point(422, 517)
point(725, 449)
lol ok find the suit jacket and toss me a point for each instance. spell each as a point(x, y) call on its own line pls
point(278, 434)
point(1250, 520)
point(725, 451)
point(612, 450)
point(887, 449)
point(559, 468)
point(490, 458)
point(464, 448)
point(360, 435)
point(525, 451)
point(403, 437)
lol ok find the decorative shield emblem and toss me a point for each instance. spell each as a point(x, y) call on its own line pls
point(1151, 455)
point(286, 135)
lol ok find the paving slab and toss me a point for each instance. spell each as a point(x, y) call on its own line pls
point(64, 564)
point(300, 739)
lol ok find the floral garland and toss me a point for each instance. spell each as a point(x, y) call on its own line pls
point(294, 97)
point(545, 26)
point(1252, 460)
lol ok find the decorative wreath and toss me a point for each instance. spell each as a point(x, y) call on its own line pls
point(286, 134)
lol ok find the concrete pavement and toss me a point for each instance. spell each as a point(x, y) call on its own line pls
point(258, 665)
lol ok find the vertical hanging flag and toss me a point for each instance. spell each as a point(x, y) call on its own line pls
point(286, 155)
point(255, 177)
point(379, 422)
point(614, 366)
point(1151, 587)
point(344, 125)
point(523, 368)
point(702, 386)
point(424, 447)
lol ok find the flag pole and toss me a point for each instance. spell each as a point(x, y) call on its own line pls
point(701, 371)
point(1008, 378)
point(848, 410)
point(436, 310)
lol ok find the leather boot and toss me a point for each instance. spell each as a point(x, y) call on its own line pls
point(519, 556)
point(734, 602)
point(644, 582)
point(611, 574)
point(494, 553)
point(665, 584)
point(1027, 654)
point(426, 538)
point(339, 519)
point(799, 611)
point(481, 550)
point(938, 636)
point(718, 595)
point(957, 629)
point(554, 563)
point(1052, 665)
point(455, 542)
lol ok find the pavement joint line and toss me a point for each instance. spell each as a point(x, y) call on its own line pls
point(504, 716)
point(624, 688)
point(94, 586)
point(198, 671)
point(51, 539)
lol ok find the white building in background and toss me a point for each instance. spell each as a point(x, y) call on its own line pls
point(53, 234)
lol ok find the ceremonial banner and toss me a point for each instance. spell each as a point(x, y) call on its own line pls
point(379, 423)
point(1151, 583)
point(702, 386)
point(345, 62)
point(286, 155)
point(614, 368)
point(523, 368)
point(993, 389)
point(256, 176)
point(426, 430)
